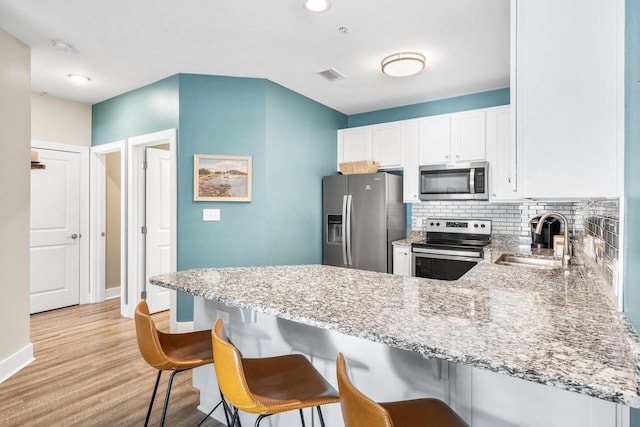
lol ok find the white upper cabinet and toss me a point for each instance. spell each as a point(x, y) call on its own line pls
point(354, 144)
point(435, 139)
point(501, 154)
point(381, 143)
point(569, 97)
point(468, 136)
point(386, 144)
point(450, 138)
point(410, 146)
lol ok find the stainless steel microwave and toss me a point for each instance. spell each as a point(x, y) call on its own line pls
point(455, 181)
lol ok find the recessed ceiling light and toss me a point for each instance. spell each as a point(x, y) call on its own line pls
point(403, 64)
point(317, 5)
point(63, 47)
point(79, 78)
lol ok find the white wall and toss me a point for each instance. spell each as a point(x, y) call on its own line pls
point(15, 178)
point(58, 120)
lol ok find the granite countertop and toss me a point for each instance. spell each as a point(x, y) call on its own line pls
point(554, 327)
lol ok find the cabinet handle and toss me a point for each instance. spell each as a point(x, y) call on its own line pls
point(457, 156)
point(446, 157)
point(509, 180)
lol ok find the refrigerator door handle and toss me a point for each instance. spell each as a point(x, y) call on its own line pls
point(344, 230)
point(348, 233)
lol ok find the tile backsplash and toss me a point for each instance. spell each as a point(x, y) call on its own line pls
point(507, 218)
point(597, 222)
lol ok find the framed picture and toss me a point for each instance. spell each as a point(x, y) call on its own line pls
point(222, 178)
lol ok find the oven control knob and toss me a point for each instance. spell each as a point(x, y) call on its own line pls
point(475, 225)
point(431, 224)
point(482, 226)
point(437, 224)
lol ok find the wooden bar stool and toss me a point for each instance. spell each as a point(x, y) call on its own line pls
point(360, 411)
point(270, 385)
point(171, 352)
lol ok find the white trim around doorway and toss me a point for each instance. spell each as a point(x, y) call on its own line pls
point(135, 152)
point(98, 218)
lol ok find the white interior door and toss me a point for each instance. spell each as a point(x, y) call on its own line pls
point(158, 223)
point(55, 231)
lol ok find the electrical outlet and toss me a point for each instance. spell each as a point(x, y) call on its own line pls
point(224, 315)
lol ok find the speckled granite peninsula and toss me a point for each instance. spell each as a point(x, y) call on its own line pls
point(554, 327)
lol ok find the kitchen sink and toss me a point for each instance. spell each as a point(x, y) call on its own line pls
point(528, 261)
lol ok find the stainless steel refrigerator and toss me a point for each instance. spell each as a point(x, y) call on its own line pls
point(363, 215)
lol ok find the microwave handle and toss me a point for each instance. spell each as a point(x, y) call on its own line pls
point(472, 180)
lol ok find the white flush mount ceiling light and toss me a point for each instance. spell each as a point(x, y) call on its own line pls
point(403, 64)
point(317, 6)
point(79, 78)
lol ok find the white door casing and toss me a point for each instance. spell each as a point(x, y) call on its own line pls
point(98, 220)
point(55, 250)
point(158, 225)
point(136, 258)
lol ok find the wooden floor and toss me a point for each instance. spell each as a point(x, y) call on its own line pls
point(88, 372)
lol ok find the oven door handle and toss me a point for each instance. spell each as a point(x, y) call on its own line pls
point(447, 257)
point(439, 252)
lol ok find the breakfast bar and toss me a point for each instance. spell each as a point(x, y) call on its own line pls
point(558, 330)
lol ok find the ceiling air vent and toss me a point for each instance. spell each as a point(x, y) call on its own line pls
point(332, 75)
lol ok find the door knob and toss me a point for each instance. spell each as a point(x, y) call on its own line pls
point(74, 236)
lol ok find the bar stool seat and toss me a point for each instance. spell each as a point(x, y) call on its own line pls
point(360, 411)
point(170, 352)
point(270, 385)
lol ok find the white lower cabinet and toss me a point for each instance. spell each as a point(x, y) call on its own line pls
point(489, 399)
point(402, 260)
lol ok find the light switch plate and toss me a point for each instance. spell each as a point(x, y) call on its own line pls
point(211, 214)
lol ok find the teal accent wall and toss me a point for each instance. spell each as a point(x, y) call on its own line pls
point(151, 108)
point(291, 138)
point(631, 303)
point(492, 98)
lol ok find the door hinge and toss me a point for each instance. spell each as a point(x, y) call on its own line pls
point(143, 230)
point(144, 165)
point(143, 295)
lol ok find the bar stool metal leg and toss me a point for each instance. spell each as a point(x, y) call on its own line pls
point(153, 397)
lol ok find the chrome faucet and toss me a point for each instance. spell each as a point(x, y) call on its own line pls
point(565, 247)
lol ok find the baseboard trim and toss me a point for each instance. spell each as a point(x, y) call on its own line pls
point(112, 293)
point(16, 362)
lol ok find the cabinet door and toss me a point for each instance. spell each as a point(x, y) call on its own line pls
point(569, 97)
point(402, 260)
point(435, 139)
point(354, 144)
point(386, 144)
point(410, 143)
point(468, 136)
point(501, 154)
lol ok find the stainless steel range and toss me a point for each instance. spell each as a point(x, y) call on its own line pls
point(452, 247)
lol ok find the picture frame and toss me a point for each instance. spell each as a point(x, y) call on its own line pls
point(222, 178)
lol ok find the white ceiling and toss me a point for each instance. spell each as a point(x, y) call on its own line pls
point(126, 44)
